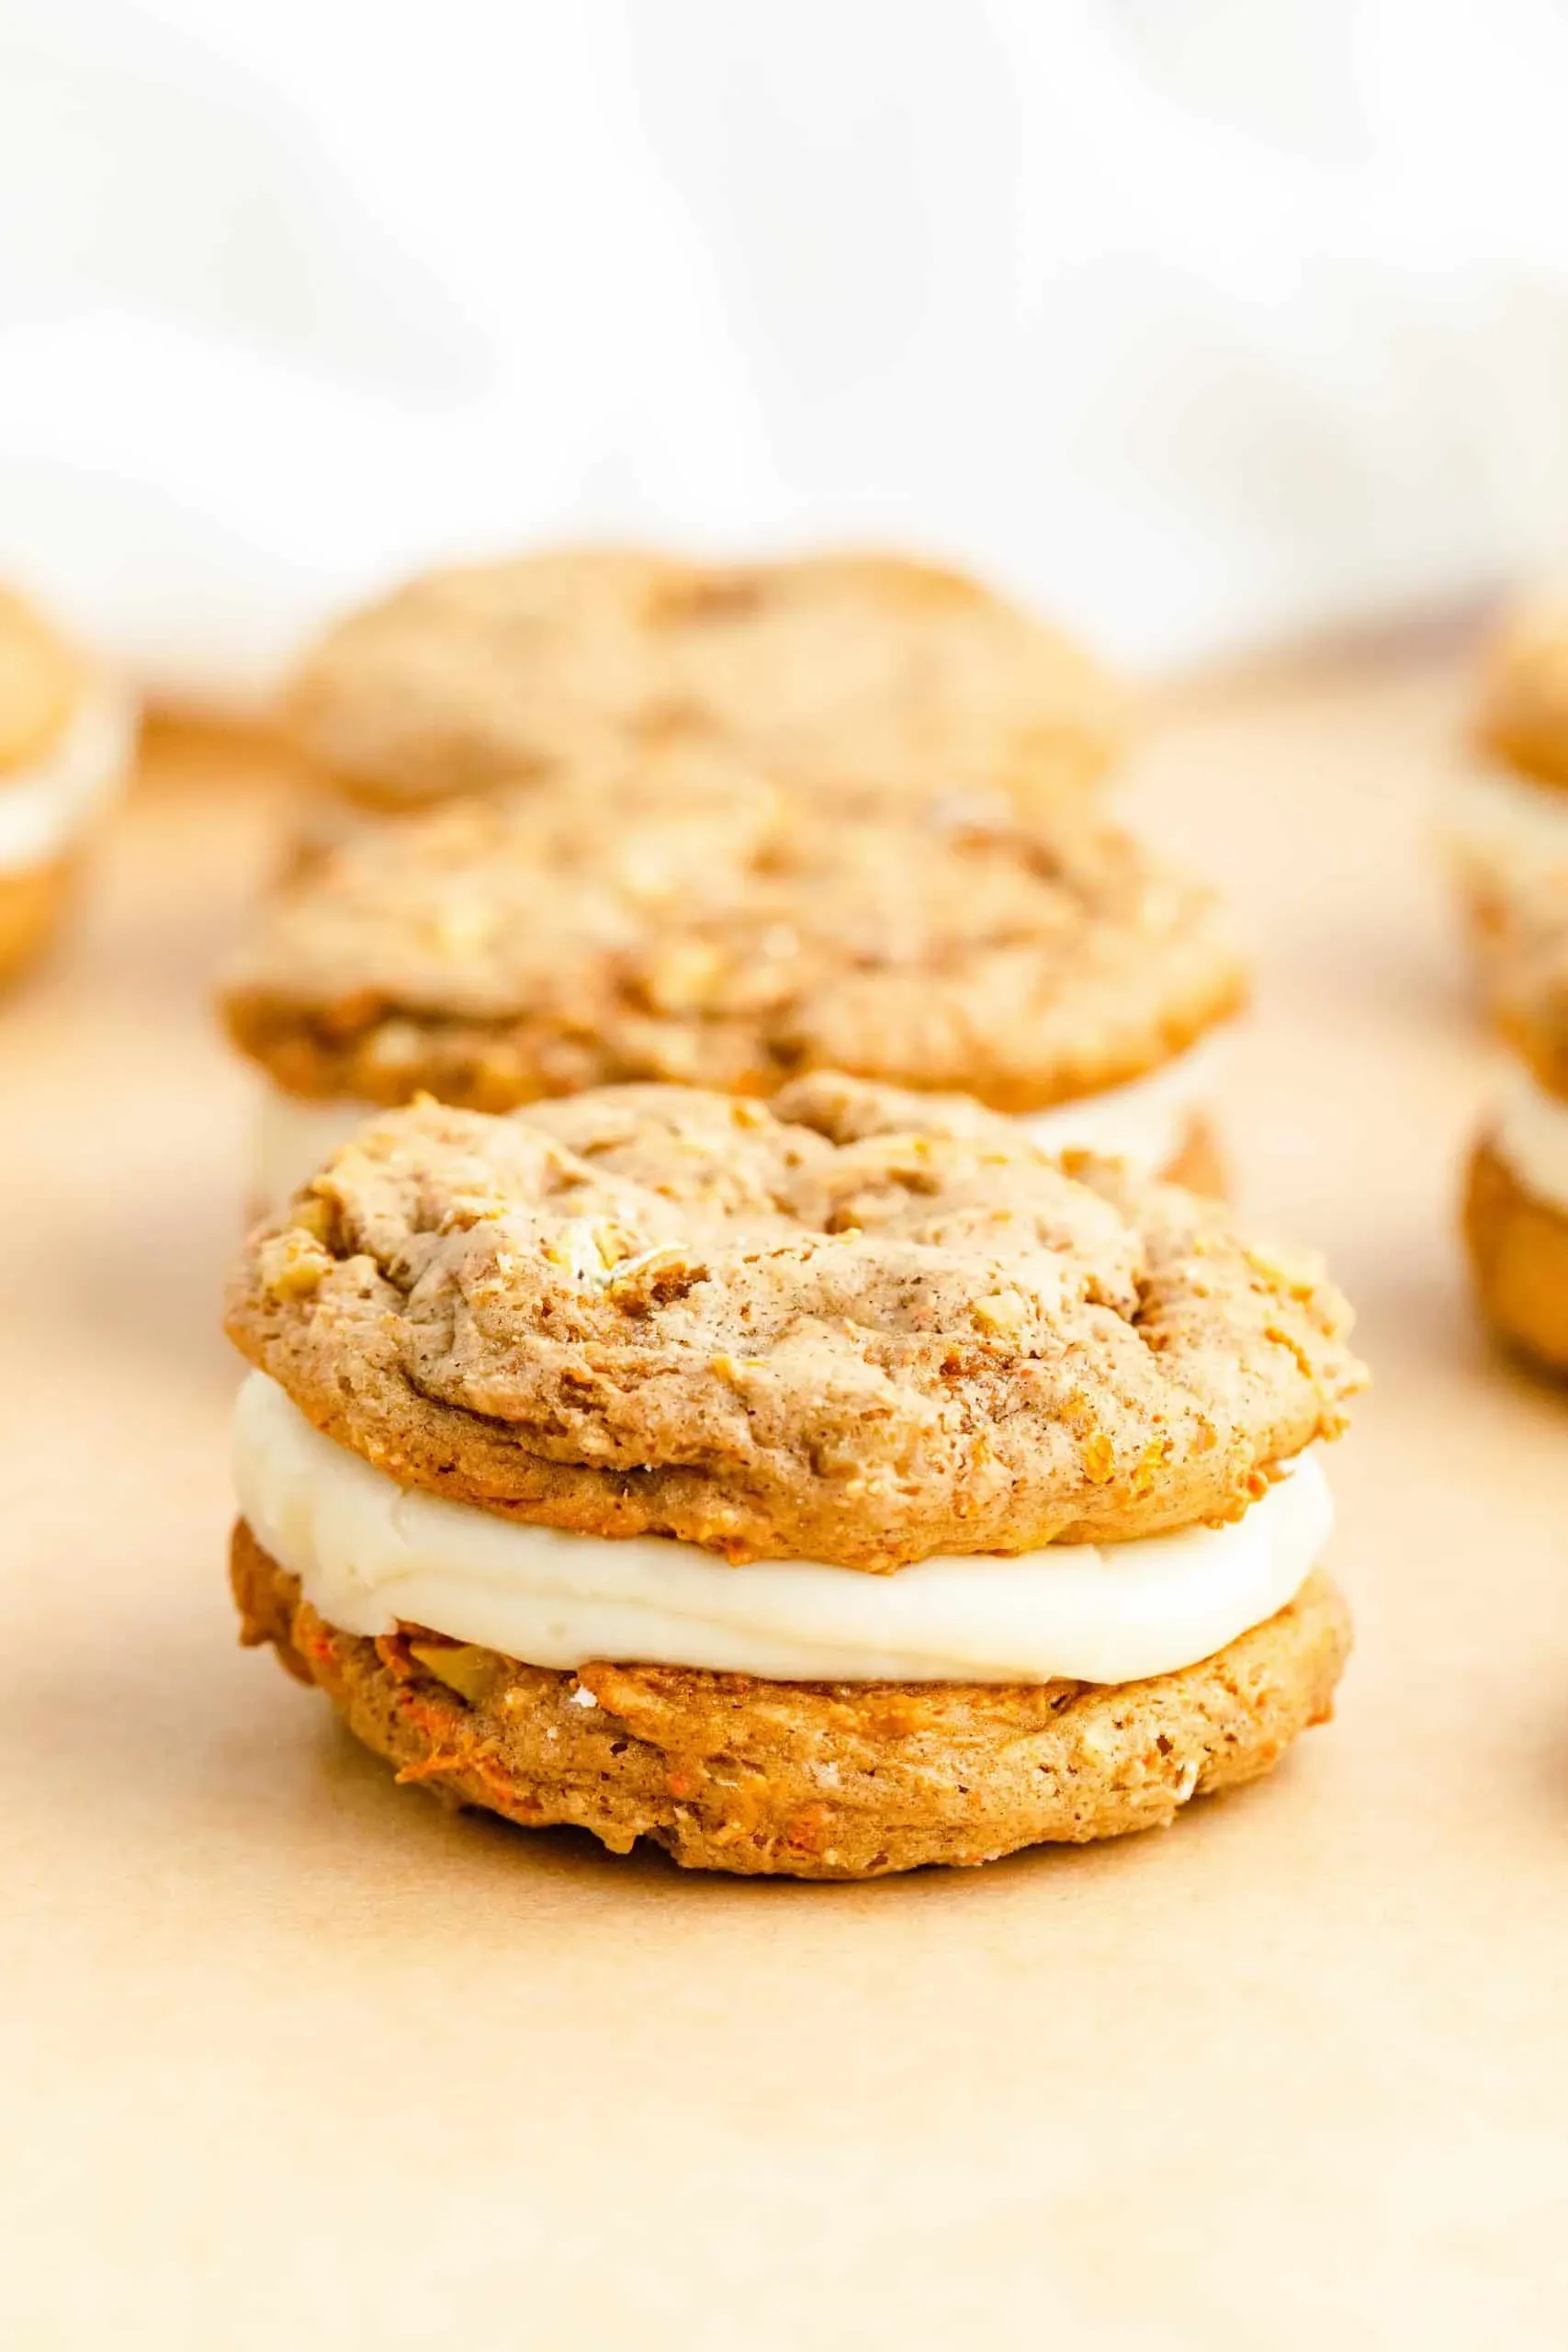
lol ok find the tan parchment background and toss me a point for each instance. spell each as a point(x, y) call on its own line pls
point(290, 2058)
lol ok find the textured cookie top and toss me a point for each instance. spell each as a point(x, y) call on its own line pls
point(39, 683)
point(1523, 718)
point(722, 933)
point(905, 676)
point(858, 1329)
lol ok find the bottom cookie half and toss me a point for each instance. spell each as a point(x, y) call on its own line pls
point(821, 1780)
point(32, 901)
point(1518, 1251)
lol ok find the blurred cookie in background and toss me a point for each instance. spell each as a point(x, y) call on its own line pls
point(690, 921)
point(912, 679)
point(1517, 1199)
point(67, 740)
point(1506, 822)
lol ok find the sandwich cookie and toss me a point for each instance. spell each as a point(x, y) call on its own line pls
point(822, 1488)
point(690, 924)
point(67, 738)
point(1505, 822)
point(910, 678)
point(1515, 1211)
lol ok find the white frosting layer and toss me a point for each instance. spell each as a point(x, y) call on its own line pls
point(45, 808)
point(369, 1554)
point(1531, 1135)
point(1145, 1122)
point(1504, 826)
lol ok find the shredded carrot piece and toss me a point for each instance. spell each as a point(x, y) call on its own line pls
point(429, 1766)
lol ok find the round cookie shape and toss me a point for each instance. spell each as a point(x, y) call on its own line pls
point(696, 925)
point(816, 1780)
point(41, 683)
point(850, 1328)
point(903, 676)
point(1523, 719)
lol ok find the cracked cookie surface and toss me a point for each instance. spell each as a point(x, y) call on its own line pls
point(861, 1326)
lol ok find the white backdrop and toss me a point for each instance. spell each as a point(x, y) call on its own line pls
point(1202, 321)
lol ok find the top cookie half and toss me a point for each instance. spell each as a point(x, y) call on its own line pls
point(692, 924)
point(844, 1329)
point(902, 676)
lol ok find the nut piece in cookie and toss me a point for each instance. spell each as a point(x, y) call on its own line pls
point(822, 1488)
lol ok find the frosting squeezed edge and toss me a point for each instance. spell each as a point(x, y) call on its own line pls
point(370, 1554)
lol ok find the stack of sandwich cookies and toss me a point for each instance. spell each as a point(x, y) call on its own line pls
point(824, 1489)
point(66, 741)
point(910, 679)
point(1507, 821)
point(1517, 1198)
point(686, 922)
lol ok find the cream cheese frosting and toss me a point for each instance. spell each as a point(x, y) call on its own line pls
point(1531, 1136)
point(1145, 1122)
point(369, 1554)
point(45, 806)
